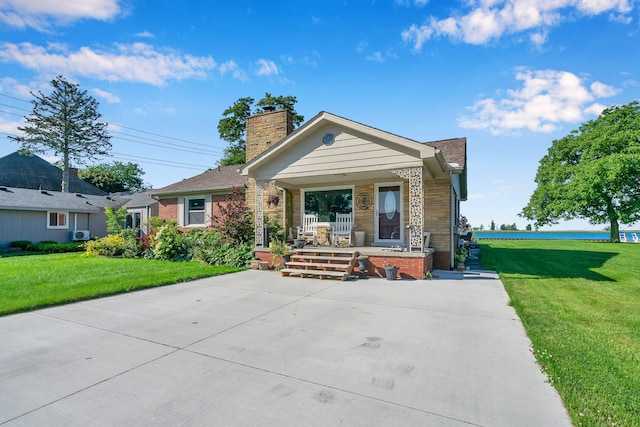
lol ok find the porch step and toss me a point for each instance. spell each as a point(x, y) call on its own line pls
point(321, 263)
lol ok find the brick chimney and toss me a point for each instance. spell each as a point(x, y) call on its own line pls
point(73, 172)
point(265, 129)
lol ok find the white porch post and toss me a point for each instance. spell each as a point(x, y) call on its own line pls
point(416, 204)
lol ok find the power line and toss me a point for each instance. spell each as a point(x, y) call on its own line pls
point(17, 99)
point(161, 160)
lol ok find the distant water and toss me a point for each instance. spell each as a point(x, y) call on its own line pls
point(543, 235)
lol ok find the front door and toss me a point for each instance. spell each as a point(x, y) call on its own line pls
point(389, 215)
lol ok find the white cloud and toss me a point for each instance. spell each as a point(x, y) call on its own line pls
point(376, 56)
point(137, 62)
point(266, 67)
point(546, 99)
point(488, 20)
point(232, 67)
point(145, 34)
point(107, 96)
point(40, 14)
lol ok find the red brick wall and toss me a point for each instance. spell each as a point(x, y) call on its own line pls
point(409, 268)
point(168, 208)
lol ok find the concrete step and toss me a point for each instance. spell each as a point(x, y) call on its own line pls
point(320, 273)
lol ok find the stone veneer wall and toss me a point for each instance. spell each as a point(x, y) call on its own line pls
point(262, 132)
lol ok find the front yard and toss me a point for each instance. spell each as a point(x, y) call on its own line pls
point(28, 282)
point(580, 304)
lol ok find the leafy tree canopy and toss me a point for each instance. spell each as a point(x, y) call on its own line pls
point(67, 123)
point(233, 124)
point(593, 173)
point(114, 177)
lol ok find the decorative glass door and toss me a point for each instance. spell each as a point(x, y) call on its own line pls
point(389, 214)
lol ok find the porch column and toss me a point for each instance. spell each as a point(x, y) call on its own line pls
point(258, 219)
point(416, 204)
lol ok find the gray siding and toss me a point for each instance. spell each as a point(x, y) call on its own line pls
point(32, 226)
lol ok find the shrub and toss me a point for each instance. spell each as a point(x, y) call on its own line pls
point(112, 245)
point(237, 219)
point(213, 248)
point(52, 247)
point(116, 219)
point(171, 244)
point(22, 244)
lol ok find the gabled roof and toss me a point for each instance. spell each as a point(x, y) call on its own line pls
point(454, 150)
point(222, 178)
point(43, 200)
point(30, 171)
point(422, 150)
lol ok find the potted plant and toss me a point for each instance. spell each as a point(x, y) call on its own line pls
point(362, 265)
point(273, 200)
point(281, 249)
point(460, 257)
point(391, 271)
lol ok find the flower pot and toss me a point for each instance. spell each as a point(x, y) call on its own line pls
point(298, 243)
point(286, 258)
point(362, 266)
point(391, 272)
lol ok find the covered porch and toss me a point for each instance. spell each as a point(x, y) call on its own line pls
point(393, 188)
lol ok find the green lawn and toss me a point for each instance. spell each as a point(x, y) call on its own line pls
point(28, 282)
point(580, 305)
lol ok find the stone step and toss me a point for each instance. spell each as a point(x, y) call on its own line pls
point(322, 258)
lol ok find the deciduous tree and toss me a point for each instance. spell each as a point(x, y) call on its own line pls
point(114, 177)
point(232, 126)
point(593, 173)
point(67, 123)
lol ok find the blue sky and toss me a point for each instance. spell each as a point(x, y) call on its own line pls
point(511, 76)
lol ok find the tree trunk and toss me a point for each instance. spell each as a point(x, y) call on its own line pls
point(65, 173)
point(615, 231)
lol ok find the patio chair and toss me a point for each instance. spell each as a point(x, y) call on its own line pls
point(635, 238)
point(309, 229)
point(341, 229)
point(623, 238)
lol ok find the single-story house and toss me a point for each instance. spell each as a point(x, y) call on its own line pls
point(193, 202)
point(37, 215)
point(397, 190)
point(32, 206)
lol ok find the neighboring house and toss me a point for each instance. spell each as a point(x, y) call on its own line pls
point(194, 202)
point(36, 215)
point(30, 171)
point(140, 206)
point(33, 208)
point(395, 188)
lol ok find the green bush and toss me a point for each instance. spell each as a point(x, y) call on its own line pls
point(172, 244)
point(214, 248)
point(112, 245)
point(52, 247)
point(22, 244)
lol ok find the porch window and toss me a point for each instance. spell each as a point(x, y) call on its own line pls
point(326, 203)
point(194, 214)
point(59, 220)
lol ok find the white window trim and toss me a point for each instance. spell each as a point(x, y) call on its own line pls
point(183, 215)
point(303, 192)
point(377, 239)
point(57, 227)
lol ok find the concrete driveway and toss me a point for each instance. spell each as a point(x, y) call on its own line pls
point(256, 349)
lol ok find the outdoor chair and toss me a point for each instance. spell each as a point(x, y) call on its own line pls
point(623, 238)
point(309, 229)
point(341, 229)
point(635, 238)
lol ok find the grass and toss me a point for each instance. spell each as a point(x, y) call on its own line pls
point(28, 282)
point(580, 304)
